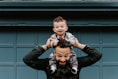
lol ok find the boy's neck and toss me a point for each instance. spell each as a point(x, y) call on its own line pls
point(61, 36)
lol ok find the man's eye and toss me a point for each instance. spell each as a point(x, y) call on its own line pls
point(66, 56)
point(59, 56)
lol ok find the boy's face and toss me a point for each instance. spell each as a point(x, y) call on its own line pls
point(60, 27)
point(62, 55)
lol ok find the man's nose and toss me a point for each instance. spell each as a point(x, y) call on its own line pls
point(62, 59)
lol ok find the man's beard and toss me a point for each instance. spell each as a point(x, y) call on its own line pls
point(63, 72)
point(63, 66)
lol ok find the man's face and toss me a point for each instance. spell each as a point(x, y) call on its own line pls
point(62, 55)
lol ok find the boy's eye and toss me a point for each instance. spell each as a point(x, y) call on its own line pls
point(55, 26)
point(62, 26)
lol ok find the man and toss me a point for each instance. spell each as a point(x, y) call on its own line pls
point(62, 54)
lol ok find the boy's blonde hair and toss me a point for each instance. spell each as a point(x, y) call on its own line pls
point(59, 19)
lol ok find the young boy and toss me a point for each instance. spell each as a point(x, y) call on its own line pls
point(60, 29)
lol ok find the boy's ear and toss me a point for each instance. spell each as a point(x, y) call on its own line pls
point(53, 29)
point(66, 28)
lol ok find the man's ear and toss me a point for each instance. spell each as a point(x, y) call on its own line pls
point(54, 52)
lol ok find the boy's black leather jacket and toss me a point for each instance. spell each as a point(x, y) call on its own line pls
point(33, 60)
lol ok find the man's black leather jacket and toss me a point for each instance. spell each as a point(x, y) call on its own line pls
point(33, 60)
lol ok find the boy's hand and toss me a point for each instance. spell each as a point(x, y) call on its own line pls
point(55, 42)
point(47, 45)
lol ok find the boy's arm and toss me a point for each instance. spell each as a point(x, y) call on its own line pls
point(74, 41)
point(51, 42)
point(93, 55)
point(78, 45)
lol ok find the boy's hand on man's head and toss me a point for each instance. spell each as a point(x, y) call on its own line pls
point(55, 42)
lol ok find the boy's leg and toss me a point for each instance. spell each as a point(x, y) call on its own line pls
point(74, 63)
point(53, 68)
point(52, 63)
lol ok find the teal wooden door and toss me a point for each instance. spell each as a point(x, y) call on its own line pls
point(15, 44)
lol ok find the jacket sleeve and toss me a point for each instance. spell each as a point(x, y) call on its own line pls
point(32, 60)
point(92, 57)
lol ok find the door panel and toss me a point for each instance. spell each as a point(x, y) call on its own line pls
point(14, 45)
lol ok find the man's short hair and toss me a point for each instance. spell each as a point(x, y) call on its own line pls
point(64, 43)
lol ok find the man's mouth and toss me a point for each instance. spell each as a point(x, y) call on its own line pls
point(62, 63)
